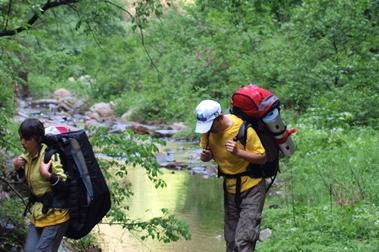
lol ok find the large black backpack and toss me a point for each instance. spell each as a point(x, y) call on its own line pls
point(88, 197)
point(271, 167)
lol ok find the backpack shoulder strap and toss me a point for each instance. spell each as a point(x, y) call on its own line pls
point(48, 154)
point(242, 133)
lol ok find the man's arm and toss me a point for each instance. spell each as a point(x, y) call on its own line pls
point(206, 155)
point(252, 157)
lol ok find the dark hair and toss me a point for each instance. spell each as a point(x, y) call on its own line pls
point(30, 128)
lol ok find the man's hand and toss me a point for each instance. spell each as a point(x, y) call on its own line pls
point(231, 146)
point(206, 155)
point(250, 156)
point(19, 162)
point(44, 169)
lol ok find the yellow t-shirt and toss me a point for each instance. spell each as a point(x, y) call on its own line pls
point(229, 163)
point(39, 186)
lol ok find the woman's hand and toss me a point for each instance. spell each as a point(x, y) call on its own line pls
point(44, 169)
point(19, 162)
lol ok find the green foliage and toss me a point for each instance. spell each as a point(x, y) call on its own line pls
point(349, 105)
point(329, 45)
point(12, 219)
point(337, 163)
point(86, 243)
point(166, 228)
point(6, 110)
point(350, 228)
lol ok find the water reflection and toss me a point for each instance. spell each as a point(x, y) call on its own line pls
point(193, 199)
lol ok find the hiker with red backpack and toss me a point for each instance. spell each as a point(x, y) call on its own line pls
point(246, 145)
point(48, 225)
point(243, 195)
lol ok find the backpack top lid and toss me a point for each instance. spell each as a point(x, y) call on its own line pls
point(253, 101)
point(56, 129)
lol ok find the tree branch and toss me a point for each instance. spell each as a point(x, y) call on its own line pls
point(48, 5)
point(147, 52)
point(13, 189)
point(9, 13)
point(121, 8)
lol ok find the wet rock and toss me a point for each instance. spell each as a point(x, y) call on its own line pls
point(127, 115)
point(140, 129)
point(274, 206)
point(170, 156)
point(5, 224)
point(205, 171)
point(175, 166)
point(44, 103)
point(101, 112)
point(264, 234)
point(62, 93)
point(163, 133)
point(199, 170)
point(94, 123)
point(94, 115)
point(167, 160)
point(72, 105)
point(3, 195)
point(178, 126)
point(103, 109)
point(118, 128)
point(68, 102)
point(22, 103)
point(158, 131)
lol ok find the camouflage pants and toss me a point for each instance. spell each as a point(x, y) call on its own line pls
point(241, 224)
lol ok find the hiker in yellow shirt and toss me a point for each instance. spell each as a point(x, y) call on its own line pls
point(49, 218)
point(243, 195)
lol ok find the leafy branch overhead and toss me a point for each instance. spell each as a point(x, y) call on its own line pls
point(11, 11)
point(17, 17)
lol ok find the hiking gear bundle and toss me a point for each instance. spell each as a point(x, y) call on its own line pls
point(259, 108)
point(87, 194)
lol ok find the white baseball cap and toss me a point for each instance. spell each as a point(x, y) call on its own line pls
point(206, 112)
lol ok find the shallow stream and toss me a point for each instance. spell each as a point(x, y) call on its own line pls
point(194, 198)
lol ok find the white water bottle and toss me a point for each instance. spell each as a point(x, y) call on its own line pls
point(283, 136)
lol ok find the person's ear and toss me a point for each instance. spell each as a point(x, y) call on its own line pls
point(38, 139)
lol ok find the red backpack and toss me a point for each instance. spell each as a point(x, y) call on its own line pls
point(251, 101)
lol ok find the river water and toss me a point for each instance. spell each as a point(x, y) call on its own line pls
point(194, 198)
